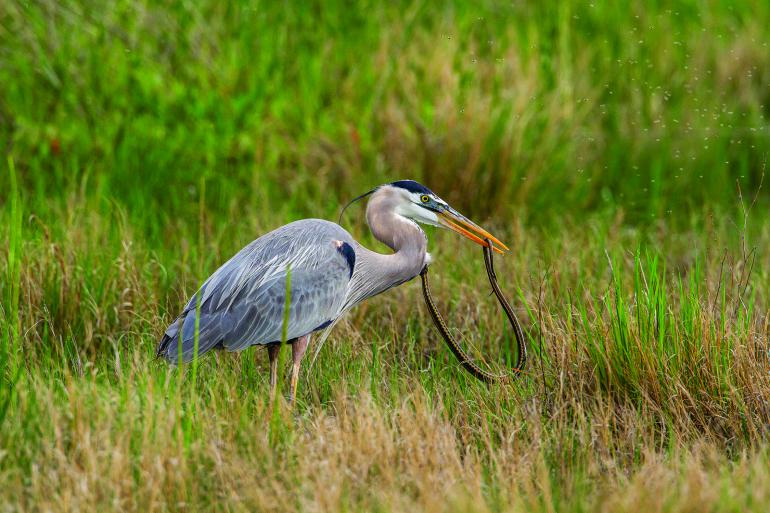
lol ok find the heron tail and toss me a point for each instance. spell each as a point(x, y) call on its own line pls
point(210, 336)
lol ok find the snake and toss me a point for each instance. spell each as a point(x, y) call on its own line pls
point(465, 360)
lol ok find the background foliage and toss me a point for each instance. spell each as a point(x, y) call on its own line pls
point(620, 150)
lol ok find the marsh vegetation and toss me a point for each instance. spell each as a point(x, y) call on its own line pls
point(620, 153)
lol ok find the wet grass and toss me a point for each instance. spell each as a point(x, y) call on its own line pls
point(619, 153)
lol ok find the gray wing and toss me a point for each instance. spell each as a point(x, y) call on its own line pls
point(242, 303)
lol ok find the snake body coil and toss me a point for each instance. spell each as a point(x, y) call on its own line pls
point(454, 346)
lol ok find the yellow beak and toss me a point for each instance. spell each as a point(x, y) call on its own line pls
point(457, 222)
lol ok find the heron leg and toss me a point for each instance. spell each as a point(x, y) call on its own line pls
point(272, 353)
point(298, 349)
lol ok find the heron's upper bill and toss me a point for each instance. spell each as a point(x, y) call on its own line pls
point(457, 222)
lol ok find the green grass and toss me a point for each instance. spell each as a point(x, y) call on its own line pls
point(620, 153)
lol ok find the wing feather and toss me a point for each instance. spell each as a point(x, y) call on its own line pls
point(242, 303)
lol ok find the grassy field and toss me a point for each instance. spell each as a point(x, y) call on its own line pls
point(620, 153)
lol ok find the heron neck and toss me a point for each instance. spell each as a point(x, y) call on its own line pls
point(409, 245)
point(374, 272)
point(402, 235)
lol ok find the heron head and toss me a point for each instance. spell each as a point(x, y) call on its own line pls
point(420, 204)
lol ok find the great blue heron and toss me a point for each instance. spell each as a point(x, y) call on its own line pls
point(242, 303)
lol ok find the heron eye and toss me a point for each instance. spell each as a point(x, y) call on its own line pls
point(424, 198)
